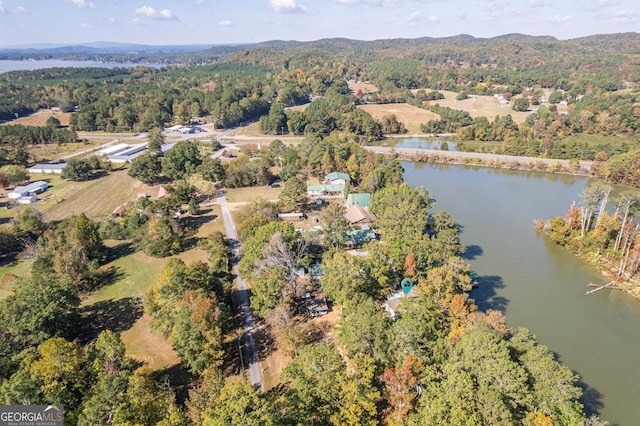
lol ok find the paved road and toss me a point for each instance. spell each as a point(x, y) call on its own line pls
point(250, 358)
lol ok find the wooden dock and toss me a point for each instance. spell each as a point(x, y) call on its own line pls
point(611, 285)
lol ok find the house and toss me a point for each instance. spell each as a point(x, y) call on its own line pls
point(337, 178)
point(361, 200)
point(393, 304)
point(358, 237)
point(357, 214)
point(316, 306)
point(26, 190)
point(325, 189)
point(291, 217)
point(47, 168)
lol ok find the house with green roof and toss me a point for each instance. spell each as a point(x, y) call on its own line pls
point(362, 200)
point(337, 178)
point(325, 189)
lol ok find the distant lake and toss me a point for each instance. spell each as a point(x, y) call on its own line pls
point(6, 66)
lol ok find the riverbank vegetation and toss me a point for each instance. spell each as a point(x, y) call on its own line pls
point(609, 241)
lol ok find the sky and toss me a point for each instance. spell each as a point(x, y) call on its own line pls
point(172, 22)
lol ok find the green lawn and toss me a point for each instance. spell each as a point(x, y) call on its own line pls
point(238, 195)
point(8, 272)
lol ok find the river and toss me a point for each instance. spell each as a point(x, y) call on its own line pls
point(8, 65)
point(539, 285)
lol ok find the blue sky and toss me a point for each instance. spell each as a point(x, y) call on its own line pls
point(240, 21)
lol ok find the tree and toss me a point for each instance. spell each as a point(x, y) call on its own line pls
point(363, 329)
point(401, 212)
point(14, 174)
point(156, 140)
point(77, 170)
point(294, 195)
point(181, 161)
point(60, 371)
point(145, 168)
point(41, 307)
point(402, 387)
point(161, 238)
point(52, 122)
point(521, 104)
point(239, 404)
point(335, 226)
point(358, 393)
point(310, 383)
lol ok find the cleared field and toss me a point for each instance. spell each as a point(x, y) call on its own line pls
point(95, 198)
point(243, 195)
point(480, 106)
point(39, 118)
point(52, 151)
point(362, 87)
point(410, 115)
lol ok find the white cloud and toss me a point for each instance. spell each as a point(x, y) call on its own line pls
point(560, 20)
point(19, 10)
point(157, 14)
point(82, 3)
point(287, 6)
point(2, 9)
point(626, 17)
point(384, 3)
point(601, 4)
point(85, 26)
point(417, 17)
point(199, 1)
point(539, 3)
point(225, 23)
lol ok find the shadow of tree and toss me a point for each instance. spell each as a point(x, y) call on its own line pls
point(472, 252)
point(591, 399)
point(118, 251)
point(486, 296)
point(176, 378)
point(115, 315)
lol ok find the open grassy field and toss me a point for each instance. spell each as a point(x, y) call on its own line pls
point(244, 195)
point(39, 118)
point(95, 198)
point(52, 151)
point(356, 86)
point(410, 115)
point(480, 106)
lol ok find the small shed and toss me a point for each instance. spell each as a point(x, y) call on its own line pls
point(27, 199)
point(162, 193)
point(393, 305)
point(47, 168)
point(291, 217)
point(317, 306)
point(119, 211)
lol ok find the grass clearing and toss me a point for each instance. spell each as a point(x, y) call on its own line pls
point(480, 106)
point(148, 345)
point(410, 115)
point(356, 86)
point(48, 152)
point(95, 198)
point(595, 140)
point(40, 118)
point(239, 195)
point(10, 272)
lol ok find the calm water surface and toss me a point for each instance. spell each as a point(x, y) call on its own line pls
point(539, 285)
point(6, 66)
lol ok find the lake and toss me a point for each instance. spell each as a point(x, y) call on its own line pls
point(539, 285)
point(6, 66)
